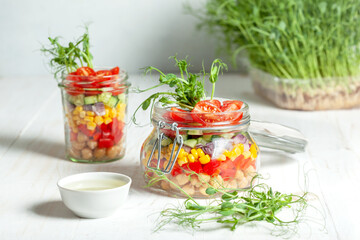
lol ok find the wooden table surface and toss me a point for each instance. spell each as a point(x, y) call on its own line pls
point(32, 161)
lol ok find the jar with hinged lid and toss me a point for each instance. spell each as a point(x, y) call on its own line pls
point(196, 153)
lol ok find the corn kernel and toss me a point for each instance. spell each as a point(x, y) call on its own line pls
point(241, 146)
point(91, 125)
point(82, 121)
point(204, 159)
point(237, 151)
point(98, 120)
point(112, 113)
point(194, 153)
point(232, 155)
point(78, 109)
point(181, 153)
point(191, 158)
point(107, 111)
point(200, 152)
point(82, 114)
point(89, 119)
point(247, 154)
point(253, 151)
point(222, 157)
point(107, 120)
point(227, 153)
point(182, 161)
point(90, 113)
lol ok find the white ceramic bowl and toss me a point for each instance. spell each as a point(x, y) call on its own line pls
point(94, 194)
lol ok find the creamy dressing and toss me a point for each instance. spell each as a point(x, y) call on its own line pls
point(95, 185)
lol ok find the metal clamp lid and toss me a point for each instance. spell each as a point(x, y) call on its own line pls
point(173, 156)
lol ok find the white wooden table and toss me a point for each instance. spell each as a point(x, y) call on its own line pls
point(32, 161)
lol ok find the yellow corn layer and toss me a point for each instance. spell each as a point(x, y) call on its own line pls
point(204, 159)
point(194, 153)
point(253, 151)
point(182, 161)
point(247, 154)
point(89, 119)
point(200, 152)
point(107, 120)
point(91, 125)
point(191, 158)
point(82, 114)
point(98, 120)
point(90, 113)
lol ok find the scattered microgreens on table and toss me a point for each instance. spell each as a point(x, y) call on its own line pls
point(67, 59)
point(235, 207)
point(189, 90)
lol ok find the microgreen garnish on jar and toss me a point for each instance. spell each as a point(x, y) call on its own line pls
point(188, 87)
point(67, 59)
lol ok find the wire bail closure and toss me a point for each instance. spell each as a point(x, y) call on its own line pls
point(173, 156)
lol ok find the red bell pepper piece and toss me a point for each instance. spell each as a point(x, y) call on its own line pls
point(211, 167)
point(105, 143)
point(82, 128)
point(194, 166)
point(176, 170)
point(227, 170)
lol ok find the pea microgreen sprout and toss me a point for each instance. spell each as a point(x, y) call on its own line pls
point(188, 87)
point(308, 39)
point(235, 207)
point(66, 59)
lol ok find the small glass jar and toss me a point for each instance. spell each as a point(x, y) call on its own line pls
point(196, 156)
point(94, 115)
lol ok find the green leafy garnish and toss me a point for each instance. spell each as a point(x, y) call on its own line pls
point(188, 87)
point(235, 207)
point(66, 59)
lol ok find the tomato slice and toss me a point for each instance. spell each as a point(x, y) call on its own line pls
point(85, 71)
point(232, 106)
point(205, 112)
point(213, 101)
point(180, 115)
point(115, 70)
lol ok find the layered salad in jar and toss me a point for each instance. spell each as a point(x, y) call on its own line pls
point(94, 102)
point(198, 141)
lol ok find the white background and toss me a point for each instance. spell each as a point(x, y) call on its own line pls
point(129, 33)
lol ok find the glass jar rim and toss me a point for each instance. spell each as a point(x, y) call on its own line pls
point(186, 120)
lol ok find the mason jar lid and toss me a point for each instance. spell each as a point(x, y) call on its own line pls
point(200, 121)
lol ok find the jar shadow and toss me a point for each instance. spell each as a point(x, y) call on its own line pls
point(47, 147)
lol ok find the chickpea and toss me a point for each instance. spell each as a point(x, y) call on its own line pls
point(250, 171)
point(78, 145)
point(189, 189)
point(194, 181)
point(112, 152)
point(243, 183)
point(165, 185)
point(239, 175)
point(92, 144)
point(217, 182)
point(173, 179)
point(99, 153)
point(74, 153)
point(204, 178)
point(82, 137)
point(86, 153)
point(182, 179)
point(202, 190)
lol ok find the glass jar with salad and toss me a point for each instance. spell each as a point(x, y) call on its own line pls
point(200, 143)
point(202, 149)
point(94, 103)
